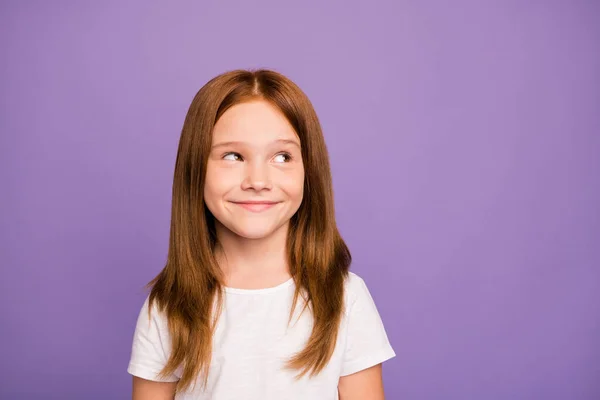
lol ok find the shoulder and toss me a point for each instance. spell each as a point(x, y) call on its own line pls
point(152, 315)
point(151, 346)
point(355, 288)
point(354, 282)
point(366, 342)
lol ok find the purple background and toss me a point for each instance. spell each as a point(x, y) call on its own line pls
point(464, 138)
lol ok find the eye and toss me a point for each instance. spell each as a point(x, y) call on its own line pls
point(283, 157)
point(232, 156)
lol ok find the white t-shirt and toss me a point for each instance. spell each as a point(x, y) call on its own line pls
point(252, 341)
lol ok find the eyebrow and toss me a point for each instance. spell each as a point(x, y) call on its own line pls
point(280, 141)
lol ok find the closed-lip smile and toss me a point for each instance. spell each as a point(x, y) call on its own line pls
point(256, 205)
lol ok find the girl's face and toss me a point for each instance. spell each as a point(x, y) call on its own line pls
point(255, 176)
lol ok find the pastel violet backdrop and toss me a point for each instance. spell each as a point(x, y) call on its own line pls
point(464, 140)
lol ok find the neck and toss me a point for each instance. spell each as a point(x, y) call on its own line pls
point(252, 262)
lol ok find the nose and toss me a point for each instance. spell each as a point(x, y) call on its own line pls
point(256, 177)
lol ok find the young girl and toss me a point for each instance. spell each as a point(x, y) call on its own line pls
point(256, 301)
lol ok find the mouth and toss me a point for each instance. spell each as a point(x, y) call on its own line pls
point(256, 206)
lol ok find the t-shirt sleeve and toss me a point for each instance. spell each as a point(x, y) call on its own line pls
point(151, 346)
point(367, 343)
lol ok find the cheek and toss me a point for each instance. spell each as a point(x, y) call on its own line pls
point(294, 186)
point(217, 184)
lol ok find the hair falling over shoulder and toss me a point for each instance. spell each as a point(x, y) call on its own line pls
point(189, 290)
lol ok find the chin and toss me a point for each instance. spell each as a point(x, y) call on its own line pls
point(252, 229)
point(254, 232)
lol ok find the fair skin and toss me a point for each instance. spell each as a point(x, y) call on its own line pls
point(149, 390)
point(363, 385)
point(255, 157)
point(254, 185)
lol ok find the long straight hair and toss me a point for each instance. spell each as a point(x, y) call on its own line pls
point(191, 283)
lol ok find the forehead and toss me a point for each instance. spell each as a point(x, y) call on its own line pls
point(254, 121)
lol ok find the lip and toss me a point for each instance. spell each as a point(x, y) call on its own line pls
point(256, 206)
